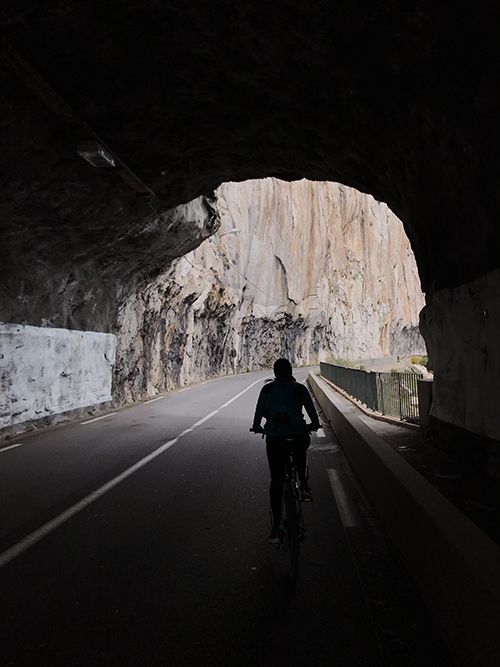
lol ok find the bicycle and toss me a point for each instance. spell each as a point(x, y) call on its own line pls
point(291, 530)
point(292, 518)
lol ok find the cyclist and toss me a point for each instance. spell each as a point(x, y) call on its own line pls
point(280, 403)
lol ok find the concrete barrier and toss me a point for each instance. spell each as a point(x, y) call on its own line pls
point(454, 564)
point(46, 371)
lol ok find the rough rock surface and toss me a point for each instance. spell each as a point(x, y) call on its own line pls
point(64, 284)
point(314, 270)
point(461, 329)
point(390, 98)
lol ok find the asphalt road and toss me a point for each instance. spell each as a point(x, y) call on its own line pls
point(140, 539)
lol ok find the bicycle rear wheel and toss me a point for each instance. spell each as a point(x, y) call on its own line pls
point(292, 530)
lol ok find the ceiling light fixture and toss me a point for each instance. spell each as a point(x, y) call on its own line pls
point(96, 155)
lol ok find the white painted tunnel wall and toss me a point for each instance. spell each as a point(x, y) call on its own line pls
point(48, 371)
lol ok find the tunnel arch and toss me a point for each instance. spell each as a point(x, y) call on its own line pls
point(395, 101)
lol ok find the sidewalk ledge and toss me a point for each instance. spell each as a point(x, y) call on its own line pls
point(454, 564)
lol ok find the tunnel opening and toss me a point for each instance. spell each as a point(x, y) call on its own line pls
point(304, 270)
point(308, 270)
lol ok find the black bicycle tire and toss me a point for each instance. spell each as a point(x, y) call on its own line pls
point(292, 531)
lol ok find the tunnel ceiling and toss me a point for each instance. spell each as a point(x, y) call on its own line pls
point(397, 99)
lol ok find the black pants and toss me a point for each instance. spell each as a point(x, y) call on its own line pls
point(276, 448)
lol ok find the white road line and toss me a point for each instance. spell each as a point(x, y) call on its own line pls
point(346, 514)
point(96, 419)
point(320, 433)
point(152, 400)
point(37, 535)
point(326, 447)
point(4, 449)
point(240, 394)
point(202, 421)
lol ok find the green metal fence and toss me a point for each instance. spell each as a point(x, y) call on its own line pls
point(392, 394)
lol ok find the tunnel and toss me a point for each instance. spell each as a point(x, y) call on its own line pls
point(388, 101)
point(119, 123)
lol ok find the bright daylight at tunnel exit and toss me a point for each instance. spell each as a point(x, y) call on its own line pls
point(249, 324)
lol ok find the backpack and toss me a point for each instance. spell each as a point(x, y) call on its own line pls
point(284, 409)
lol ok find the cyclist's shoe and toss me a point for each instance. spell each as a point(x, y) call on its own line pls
point(274, 536)
point(305, 493)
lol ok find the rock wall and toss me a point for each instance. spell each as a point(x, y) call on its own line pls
point(314, 270)
point(59, 366)
point(461, 329)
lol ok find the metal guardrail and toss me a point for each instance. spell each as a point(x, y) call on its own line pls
point(392, 394)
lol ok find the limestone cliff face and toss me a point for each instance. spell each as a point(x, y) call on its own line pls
point(314, 270)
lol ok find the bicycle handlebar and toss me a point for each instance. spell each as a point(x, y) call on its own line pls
point(310, 428)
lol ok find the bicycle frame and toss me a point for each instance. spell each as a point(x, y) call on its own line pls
point(292, 520)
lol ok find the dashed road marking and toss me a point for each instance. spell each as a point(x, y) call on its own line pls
point(96, 419)
point(344, 506)
point(320, 433)
point(4, 449)
point(152, 400)
point(47, 528)
point(329, 447)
